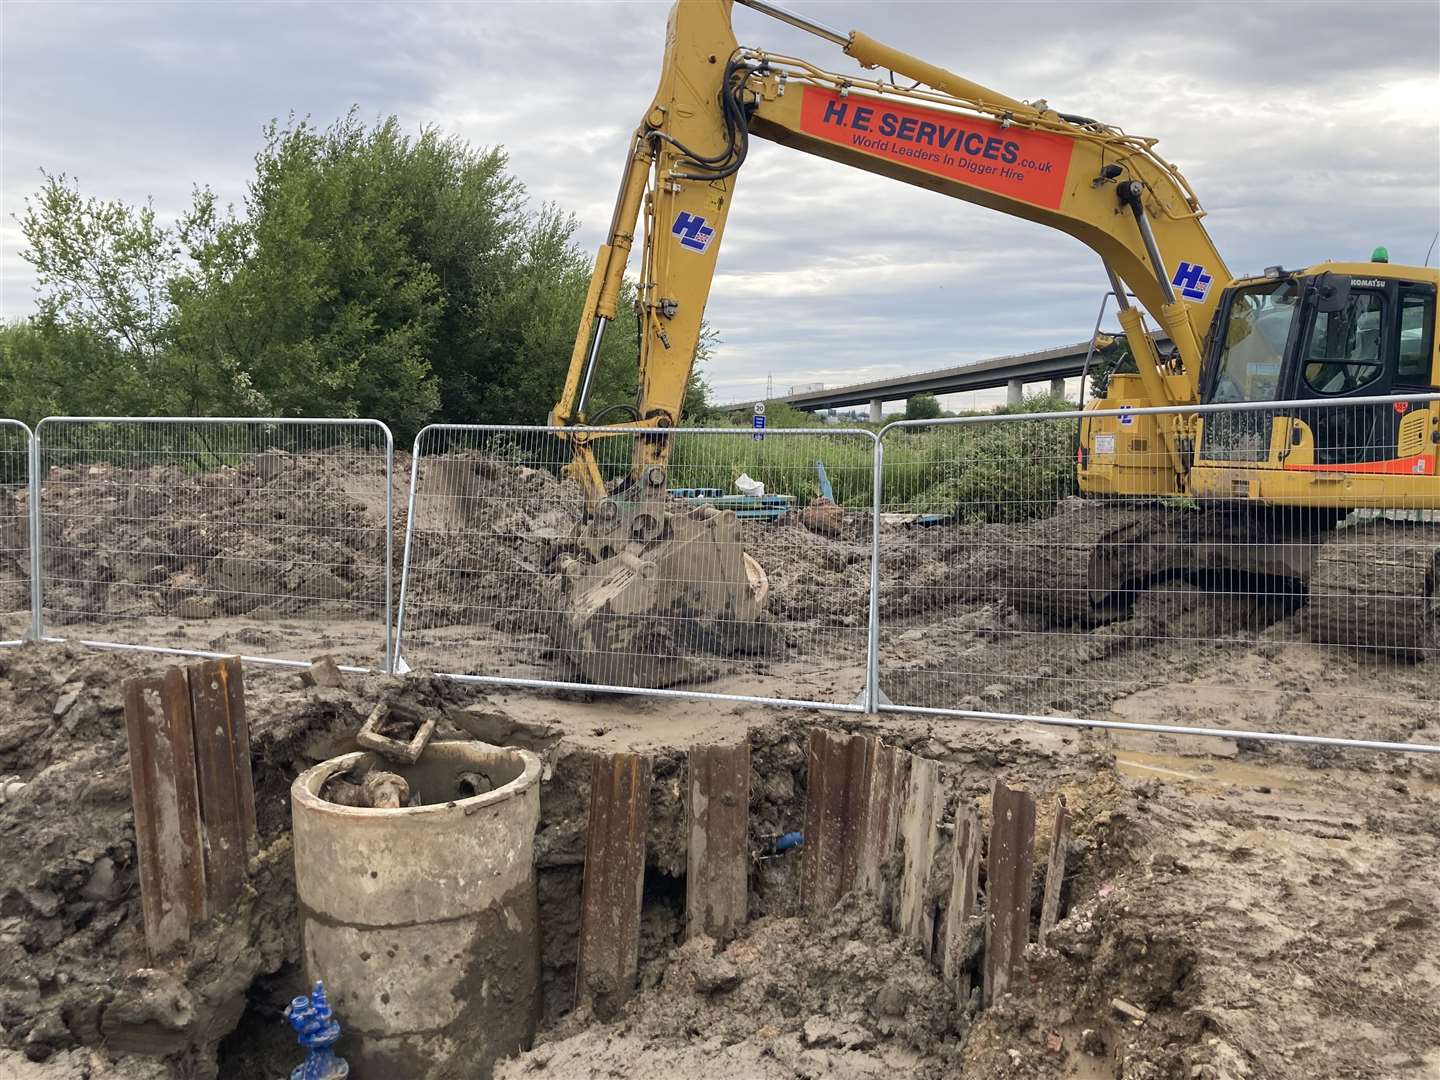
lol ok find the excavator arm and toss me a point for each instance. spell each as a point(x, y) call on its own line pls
point(636, 557)
point(1109, 190)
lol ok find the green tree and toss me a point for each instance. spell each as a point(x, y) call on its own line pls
point(101, 337)
point(923, 407)
point(367, 272)
point(101, 266)
point(318, 299)
point(49, 368)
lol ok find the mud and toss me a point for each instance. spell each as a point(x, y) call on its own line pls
point(1259, 932)
point(844, 999)
point(74, 969)
point(1273, 914)
point(1274, 911)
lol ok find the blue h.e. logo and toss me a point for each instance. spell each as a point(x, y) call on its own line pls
point(692, 231)
point(1192, 281)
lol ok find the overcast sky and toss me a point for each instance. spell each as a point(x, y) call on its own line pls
point(1310, 130)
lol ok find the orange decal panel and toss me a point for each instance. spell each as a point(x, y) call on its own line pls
point(1419, 465)
point(1030, 166)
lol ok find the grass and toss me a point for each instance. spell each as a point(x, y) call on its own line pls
point(1005, 471)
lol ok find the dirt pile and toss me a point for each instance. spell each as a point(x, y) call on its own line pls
point(483, 542)
point(14, 560)
point(275, 535)
point(845, 999)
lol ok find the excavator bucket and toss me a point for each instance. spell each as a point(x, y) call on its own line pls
point(670, 610)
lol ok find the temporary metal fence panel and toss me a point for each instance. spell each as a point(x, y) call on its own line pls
point(493, 564)
point(15, 554)
point(1014, 584)
point(270, 538)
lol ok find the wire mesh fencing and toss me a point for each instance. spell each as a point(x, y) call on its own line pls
point(1048, 565)
point(739, 567)
point(15, 613)
point(270, 538)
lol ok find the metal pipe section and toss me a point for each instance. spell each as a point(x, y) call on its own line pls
point(1090, 350)
point(1117, 288)
point(870, 53)
point(328, 421)
point(775, 11)
point(642, 691)
point(389, 665)
point(642, 429)
point(591, 361)
point(1165, 729)
point(201, 654)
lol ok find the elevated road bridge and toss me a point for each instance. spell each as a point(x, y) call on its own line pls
point(1048, 366)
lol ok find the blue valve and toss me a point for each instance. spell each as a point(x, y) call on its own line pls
point(317, 1030)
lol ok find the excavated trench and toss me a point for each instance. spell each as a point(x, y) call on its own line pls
point(262, 1044)
point(77, 974)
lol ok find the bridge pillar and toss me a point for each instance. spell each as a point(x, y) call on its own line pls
point(1014, 391)
point(1057, 388)
point(877, 411)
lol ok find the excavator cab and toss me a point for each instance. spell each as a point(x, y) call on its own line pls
point(1327, 334)
point(1346, 488)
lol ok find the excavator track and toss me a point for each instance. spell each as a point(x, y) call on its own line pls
point(1086, 564)
point(1371, 587)
point(1376, 587)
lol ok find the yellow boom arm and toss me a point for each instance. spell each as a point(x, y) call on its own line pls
point(1109, 190)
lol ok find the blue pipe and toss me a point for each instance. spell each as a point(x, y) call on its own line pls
point(825, 488)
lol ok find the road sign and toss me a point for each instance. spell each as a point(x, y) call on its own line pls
point(758, 423)
point(760, 409)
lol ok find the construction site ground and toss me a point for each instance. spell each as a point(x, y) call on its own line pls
point(1269, 910)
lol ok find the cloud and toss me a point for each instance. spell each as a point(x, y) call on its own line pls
point(1308, 133)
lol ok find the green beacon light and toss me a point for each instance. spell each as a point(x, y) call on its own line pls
point(1380, 255)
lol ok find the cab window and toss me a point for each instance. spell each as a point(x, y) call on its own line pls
point(1343, 349)
point(1417, 321)
point(1253, 349)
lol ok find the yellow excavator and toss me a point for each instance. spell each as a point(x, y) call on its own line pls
point(1325, 333)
